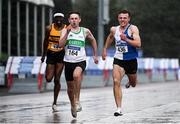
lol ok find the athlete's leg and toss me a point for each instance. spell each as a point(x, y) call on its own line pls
point(69, 69)
point(77, 75)
point(50, 68)
point(71, 94)
point(132, 79)
point(118, 74)
point(131, 71)
point(57, 84)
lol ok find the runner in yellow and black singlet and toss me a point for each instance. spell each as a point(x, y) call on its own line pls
point(54, 53)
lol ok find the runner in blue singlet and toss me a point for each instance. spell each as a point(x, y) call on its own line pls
point(127, 39)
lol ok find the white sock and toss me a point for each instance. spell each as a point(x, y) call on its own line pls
point(118, 108)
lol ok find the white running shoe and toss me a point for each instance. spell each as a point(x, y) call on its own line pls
point(118, 112)
point(54, 108)
point(78, 107)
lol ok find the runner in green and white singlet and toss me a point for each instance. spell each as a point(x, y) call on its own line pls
point(73, 38)
point(75, 47)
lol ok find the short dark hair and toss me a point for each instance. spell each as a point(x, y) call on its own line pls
point(74, 12)
point(124, 11)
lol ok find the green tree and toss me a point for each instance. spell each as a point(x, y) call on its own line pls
point(63, 6)
point(159, 26)
point(158, 22)
point(89, 13)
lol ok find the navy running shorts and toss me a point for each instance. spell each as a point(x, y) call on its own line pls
point(130, 66)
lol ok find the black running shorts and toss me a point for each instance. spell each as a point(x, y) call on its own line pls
point(69, 69)
point(55, 57)
point(130, 66)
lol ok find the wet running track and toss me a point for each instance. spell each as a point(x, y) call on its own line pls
point(147, 103)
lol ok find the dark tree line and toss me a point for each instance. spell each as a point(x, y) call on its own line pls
point(63, 6)
point(159, 26)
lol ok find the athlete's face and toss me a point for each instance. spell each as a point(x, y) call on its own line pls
point(123, 19)
point(74, 20)
point(58, 20)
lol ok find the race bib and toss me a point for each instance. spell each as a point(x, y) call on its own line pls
point(55, 46)
point(73, 51)
point(122, 49)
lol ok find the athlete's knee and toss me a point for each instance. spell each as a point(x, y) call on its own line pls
point(48, 79)
point(56, 80)
point(116, 82)
point(77, 77)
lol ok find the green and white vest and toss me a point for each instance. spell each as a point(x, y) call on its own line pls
point(75, 47)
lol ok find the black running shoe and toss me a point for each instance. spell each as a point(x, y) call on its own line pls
point(74, 112)
point(118, 113)
point(127, 85)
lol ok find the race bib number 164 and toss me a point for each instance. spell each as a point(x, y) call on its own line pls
point(73, 52)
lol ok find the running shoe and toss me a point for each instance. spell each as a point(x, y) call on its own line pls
point(118, 112)
point(54, 108)
point(73, 112)
point(78, 107)
point(127, 85)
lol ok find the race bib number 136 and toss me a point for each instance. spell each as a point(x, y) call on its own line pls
point(122, 49)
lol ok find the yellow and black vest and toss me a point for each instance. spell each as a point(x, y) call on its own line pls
point(54, 36)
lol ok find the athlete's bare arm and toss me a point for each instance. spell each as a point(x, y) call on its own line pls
point(90, 38)
point(63, 37)
point(136, 36)
point(45, 43)
point(108, 42)
point(136, 42)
